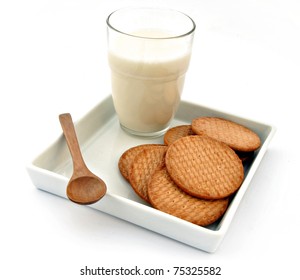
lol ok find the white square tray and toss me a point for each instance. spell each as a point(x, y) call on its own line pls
point(103, 141)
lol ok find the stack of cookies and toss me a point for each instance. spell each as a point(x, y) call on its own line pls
point(193, 174)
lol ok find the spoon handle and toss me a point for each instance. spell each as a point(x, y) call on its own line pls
point(72, 141)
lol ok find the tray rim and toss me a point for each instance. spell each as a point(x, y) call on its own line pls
point(213, 238)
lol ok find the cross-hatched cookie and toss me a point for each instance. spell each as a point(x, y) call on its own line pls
point(204, 167)
point(166, 196)
point(233, 134)
point(177, 132)
point(143, 167)
point(128, 156)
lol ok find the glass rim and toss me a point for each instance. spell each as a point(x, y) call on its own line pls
point(148, 37)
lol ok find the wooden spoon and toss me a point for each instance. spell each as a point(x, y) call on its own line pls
point(84, 187)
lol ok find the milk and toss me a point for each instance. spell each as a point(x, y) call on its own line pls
point(147, 79)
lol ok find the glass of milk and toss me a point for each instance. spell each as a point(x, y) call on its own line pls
point(149, 51)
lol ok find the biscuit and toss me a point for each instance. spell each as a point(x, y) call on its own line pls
point(144, 165)
point(204, 167)
point(234, 135)
point(166, 196)
point(177, 132)
point(128, 156)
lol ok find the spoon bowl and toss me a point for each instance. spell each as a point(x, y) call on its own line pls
point(84, 187)
point(85, 190)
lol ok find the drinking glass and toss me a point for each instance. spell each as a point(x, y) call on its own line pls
point(149, 51)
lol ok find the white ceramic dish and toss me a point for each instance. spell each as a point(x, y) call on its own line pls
point(103, 141)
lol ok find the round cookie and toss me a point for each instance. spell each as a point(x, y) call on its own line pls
point(128, 156)
point(204, 167)
point(164, 195)
point(234, 135)
point(143, 167)
point(177, 132)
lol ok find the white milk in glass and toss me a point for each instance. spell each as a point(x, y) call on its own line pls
point(147, 79)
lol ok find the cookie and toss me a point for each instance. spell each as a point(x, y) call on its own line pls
point(165, 196)
point(204, 167)
point(127, 158)
point(144, 165)
point(234, 135)
point(177, 132)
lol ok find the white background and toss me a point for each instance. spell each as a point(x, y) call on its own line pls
point(246, 61)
